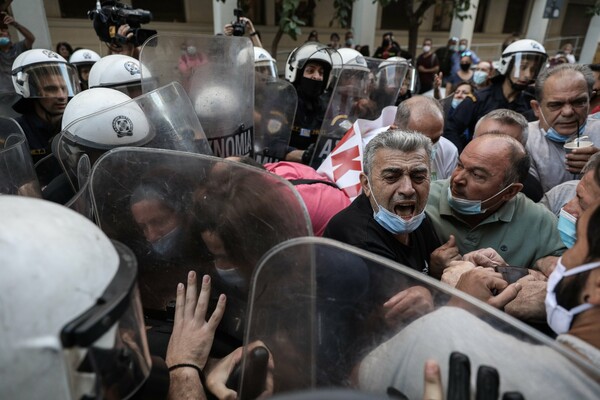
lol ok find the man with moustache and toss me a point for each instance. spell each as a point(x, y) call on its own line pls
point(481, 205)
point(562, 103)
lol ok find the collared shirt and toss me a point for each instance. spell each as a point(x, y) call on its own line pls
point(521, 231)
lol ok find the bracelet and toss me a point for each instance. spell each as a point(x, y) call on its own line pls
point(197, 368)
point(254, 33)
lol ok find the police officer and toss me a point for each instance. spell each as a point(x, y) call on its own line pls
point(520, 64)
point(46, 82)
point(308, 68)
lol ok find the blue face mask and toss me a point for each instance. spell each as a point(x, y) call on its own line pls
point(165, 244)
point(469, 207)
point(552, 134)
point(479, 77)
point(394, 223)
point(566, 228)
point(456, 102)
point(4, 41)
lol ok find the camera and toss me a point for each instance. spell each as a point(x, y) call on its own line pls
point(112, 14)
point(239, 27)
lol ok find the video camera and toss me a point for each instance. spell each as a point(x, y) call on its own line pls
point(239, 27)
point(112, 14)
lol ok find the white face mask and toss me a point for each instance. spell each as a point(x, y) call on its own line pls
point(559, 318)
point(426, 49)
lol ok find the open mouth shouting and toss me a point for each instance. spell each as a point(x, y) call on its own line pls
point(405, 209)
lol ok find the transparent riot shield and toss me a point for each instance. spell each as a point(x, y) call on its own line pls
point(217, 72)
point(318, 307)
point(17, 175)
point(360, 92)
point(180, 211)
point(163, 118)
point(81, 202)
point(275, 102)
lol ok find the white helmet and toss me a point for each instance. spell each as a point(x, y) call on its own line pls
point(352, 59)
point(264, 62)
point(310, 51)
point(393, 71)
point(33, 70)
point(84, 56)
point(104, 118)
point(72, 324)
point(116, 71)
point(525, 49)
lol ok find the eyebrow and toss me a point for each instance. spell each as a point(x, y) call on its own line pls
point(478, 169)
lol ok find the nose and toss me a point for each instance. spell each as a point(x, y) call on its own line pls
point(458, 176)
point(152, 234)
point(405, 187)
point(573, 208)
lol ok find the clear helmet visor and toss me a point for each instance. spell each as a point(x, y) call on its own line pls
point(50, 80)
point(527, 66)
point(108, 342)
point(267, 67)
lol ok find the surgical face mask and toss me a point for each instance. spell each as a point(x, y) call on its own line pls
point(559, 318)
point(552, 134)
point(4, 41)
point(462, 47)
point(232, 277)
point(167, 243)
point(191, 50)
point(394, 223)
point(452, 47)
point(480, 77)
point(456, 102)
point(567, 228)
point(465, 67)
point(426, 49)
point(469, 207)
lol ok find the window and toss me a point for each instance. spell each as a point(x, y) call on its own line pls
point(515, 16)
point(481, 12)
point(75, 8)
point(442, 16)
point(164, 11)
point(393, 17)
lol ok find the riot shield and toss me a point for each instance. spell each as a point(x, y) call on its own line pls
point(217, 72)
point(318, 306)
point(275, 102)
point(360, 92)
point(180, 211)
point(163, 118)
point(17, 175)
point(81, 202)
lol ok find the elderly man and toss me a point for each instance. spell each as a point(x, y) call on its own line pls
point(388, 218)
point(562, 103)
point(424, 114)
point(577, 193)
point(515, 125)
point(482, 207)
